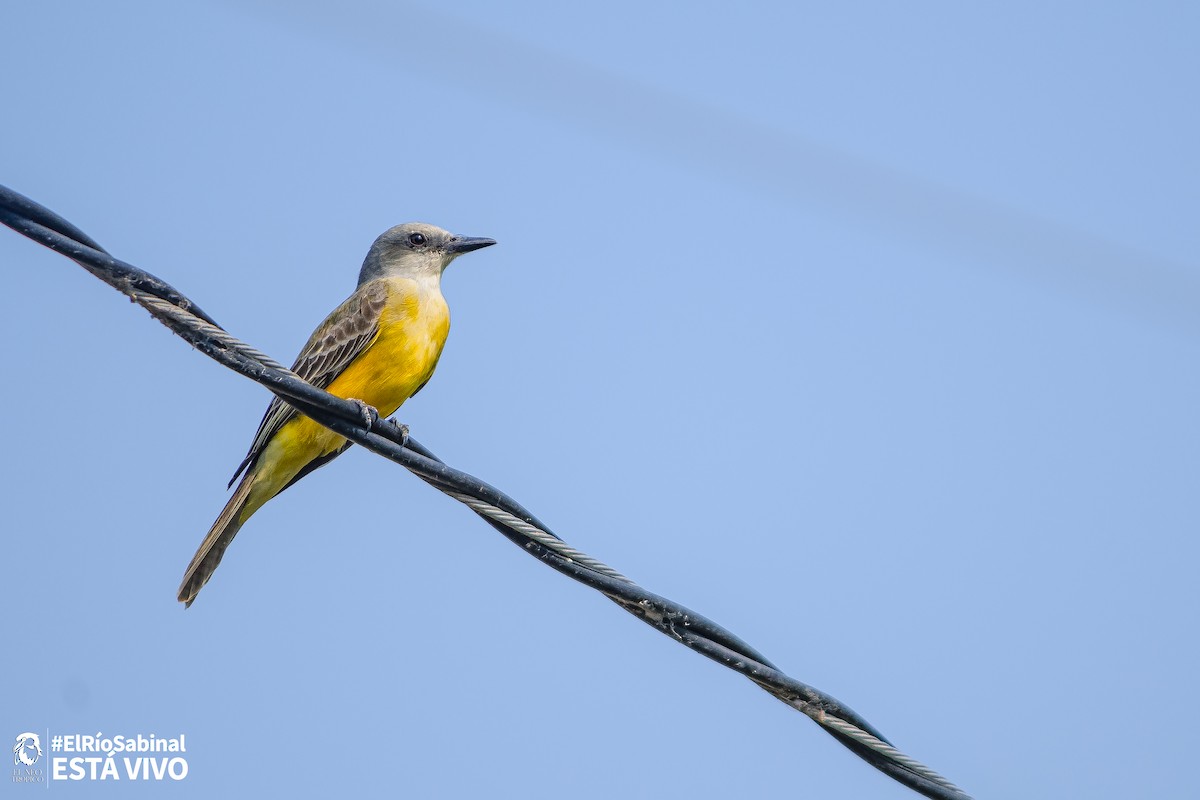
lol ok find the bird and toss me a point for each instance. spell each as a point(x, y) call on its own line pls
point(378, 348)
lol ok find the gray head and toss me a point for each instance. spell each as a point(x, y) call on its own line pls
point(415, 249)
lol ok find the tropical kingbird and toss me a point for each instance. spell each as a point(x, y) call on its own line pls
point(379, 348)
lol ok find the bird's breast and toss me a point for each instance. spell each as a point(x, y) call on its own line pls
point(412, 331)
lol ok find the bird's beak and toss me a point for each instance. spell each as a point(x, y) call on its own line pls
point(465, 244)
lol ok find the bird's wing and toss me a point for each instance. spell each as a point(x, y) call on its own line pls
point(336, 342)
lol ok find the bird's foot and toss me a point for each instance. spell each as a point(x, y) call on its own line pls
point(370, 414)
point(399, 428)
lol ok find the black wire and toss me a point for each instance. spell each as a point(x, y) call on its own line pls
point(41, 224)
point(386, 438)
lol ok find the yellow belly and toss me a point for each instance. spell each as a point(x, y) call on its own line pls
point(397, 362)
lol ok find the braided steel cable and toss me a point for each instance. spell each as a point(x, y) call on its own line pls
point(391, 440)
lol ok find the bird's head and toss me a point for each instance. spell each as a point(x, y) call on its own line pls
point(416, 249)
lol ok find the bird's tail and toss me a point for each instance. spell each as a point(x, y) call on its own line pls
point(228, 523)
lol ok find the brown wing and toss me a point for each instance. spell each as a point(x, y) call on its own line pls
point(333, 346)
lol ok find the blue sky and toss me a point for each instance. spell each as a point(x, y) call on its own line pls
point(870, 332)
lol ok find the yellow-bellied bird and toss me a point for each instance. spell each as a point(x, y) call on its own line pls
point(379, 347)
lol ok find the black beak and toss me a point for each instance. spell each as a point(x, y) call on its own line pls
point(465, 244)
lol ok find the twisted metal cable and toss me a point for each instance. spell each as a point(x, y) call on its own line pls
point(544, 538)
point(389, 439)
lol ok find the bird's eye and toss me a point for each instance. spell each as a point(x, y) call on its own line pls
point(416, 239)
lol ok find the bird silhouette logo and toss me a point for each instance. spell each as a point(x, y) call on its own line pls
point(27, 744)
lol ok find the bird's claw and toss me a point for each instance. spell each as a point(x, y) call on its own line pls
point(400, 428)
point(370, 415)
point(371, 420)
